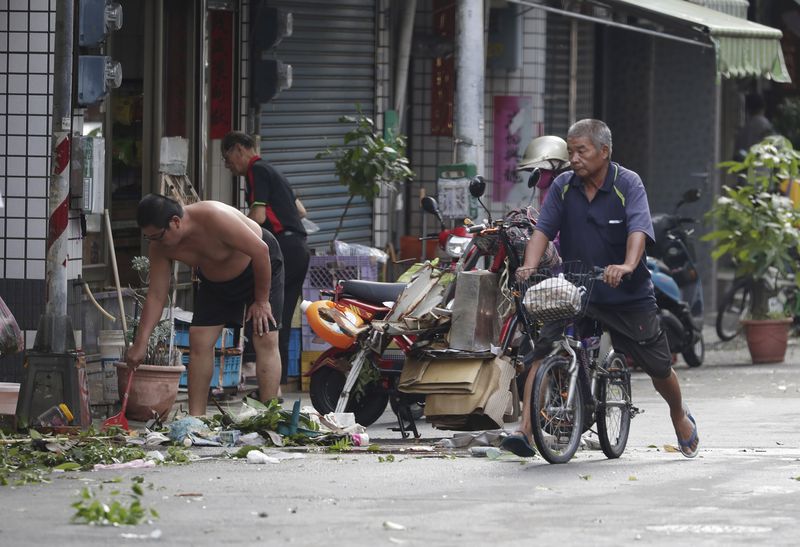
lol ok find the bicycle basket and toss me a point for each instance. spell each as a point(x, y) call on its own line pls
point(554, 294)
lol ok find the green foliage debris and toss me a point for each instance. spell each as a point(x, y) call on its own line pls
point(116, 511)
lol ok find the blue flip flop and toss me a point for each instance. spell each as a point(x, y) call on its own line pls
point(519, 445)
point(686, 446)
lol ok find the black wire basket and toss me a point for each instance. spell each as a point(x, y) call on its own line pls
point(555, 294)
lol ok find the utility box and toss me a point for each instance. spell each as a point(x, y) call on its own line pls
point(474, 320)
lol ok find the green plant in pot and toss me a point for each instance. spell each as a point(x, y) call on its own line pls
point(759, 229)
point(155, 384)
point(368, 162)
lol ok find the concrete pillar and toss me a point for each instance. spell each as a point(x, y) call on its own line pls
point(470, 70)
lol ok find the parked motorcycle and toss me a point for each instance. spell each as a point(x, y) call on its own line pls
point(678, 288)
point(356, 375)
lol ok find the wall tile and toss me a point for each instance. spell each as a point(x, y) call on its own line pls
point(39, 43)
point(15, 166)
point(37, 104)
point(37, 207)
point(38, 63)
point(36, 269)
point(15, 207)
point(15, 248)
point(3, 62)
point(16, 146)
point(3, 21)
point(40, 22)
point(15, 269)
point(37, 187)
point(37, 228)
point(18, 62)
point(15, 227)
point(16, 125)
point(36, 248)
point(37, 125)
point(15, 186)
point(16, 104)
point(38, 81)
point(37, 167)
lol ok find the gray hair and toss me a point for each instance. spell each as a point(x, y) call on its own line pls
point(595, 130)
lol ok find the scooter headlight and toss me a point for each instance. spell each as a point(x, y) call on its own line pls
point(456, 245)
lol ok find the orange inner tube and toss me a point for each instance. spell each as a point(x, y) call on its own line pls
point(321, 322)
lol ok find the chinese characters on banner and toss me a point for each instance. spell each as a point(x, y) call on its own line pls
point(443, 72)
point(513, 130)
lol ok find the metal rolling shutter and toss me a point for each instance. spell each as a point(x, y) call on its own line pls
point(332, 53)
point(556, 100)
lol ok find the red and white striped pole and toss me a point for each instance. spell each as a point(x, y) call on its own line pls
point(55, 328)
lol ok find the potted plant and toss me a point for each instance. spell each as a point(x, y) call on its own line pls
point(759, 229)
point(155, 384)
point(368, 162)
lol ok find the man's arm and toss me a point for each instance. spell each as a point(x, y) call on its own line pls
point(258, 213)
point(301, 210)
point(634, 250)
point(235, 232)
point(533, 252)
point(152, 310)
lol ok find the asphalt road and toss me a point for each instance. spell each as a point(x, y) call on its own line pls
point(744, 488)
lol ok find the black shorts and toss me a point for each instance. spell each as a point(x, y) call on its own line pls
point(225, 302)
point(635, 333)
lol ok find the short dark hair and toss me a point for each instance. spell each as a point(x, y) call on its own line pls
point(157, 211)
point(237, 137)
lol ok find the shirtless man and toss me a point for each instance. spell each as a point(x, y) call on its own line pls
point(240, 267)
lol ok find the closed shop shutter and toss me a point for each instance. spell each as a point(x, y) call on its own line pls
point(332, 53)
point(556, 110)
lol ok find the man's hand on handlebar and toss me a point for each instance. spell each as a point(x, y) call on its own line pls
point(613, 274)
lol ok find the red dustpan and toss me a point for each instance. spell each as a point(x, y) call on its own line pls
point(118, 420)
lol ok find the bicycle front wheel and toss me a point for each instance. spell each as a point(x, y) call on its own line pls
point(614, 408)
point(557, 421)
point(732, 309)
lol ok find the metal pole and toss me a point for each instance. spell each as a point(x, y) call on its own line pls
point(55, 331)
point(470, 59)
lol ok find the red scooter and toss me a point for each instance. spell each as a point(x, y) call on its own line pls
point(339, 379)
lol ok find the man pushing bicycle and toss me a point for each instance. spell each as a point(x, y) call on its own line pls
point(600, 210)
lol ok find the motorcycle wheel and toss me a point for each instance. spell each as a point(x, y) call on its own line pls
point(696, 353)
point(732, 309)
point(326, 386)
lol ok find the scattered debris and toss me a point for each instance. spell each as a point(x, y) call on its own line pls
point(258, 457)
point(585, 477)
point(388, 459)
point(389, 525)
point(632, 478)
point(90, 510)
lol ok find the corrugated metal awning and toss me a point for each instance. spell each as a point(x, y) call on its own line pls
point(744, 48)
point(737, 8)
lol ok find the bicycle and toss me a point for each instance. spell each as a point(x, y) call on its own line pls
point(737, 302)
point(578, 384)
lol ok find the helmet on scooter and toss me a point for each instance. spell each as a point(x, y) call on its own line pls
point(546, 152)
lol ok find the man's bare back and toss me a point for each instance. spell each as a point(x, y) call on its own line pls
point(208, 245)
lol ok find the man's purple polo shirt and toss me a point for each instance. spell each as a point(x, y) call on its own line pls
point(596, 232)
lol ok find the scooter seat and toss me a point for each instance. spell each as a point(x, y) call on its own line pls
point(374, 292)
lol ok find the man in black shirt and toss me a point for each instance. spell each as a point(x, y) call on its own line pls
point(275, 207)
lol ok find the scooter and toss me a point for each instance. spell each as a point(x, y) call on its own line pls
point(678, 288)
point(358, 376)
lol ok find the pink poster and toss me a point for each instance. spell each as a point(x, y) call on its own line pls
point(513, 130)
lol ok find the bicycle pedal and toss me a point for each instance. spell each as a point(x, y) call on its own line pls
point(635, 411)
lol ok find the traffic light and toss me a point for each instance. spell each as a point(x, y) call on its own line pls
point(97, 73)
point(269, 75)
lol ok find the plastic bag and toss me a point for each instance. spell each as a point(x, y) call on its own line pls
point(356, 249)
point(11, 339)
point(554, 297)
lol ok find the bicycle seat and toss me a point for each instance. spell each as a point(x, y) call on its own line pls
point(375, 292)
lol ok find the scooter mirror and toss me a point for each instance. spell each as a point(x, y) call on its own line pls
point(429, 205)
point(690, 196)
point(477, 186)
point(533, 179)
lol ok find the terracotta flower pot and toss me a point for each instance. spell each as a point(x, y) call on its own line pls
point(767, 339)
point(154, 388)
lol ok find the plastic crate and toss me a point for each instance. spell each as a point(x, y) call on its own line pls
point(294, 353)
point(231, 374)
point(182, 337)
point(325, 271)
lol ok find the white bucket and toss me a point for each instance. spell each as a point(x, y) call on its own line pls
point(111, 344)
point(9, 393)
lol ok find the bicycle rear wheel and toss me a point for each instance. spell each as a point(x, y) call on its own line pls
point(732, 309)
point(557, 422)
point(614, 408)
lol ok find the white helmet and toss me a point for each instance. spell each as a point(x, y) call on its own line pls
point(546, 152)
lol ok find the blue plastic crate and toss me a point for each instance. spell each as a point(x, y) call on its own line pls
point(182, 337)
point(294, 352)
point(231, 374)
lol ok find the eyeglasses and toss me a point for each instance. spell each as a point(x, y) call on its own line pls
point(156, 237)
